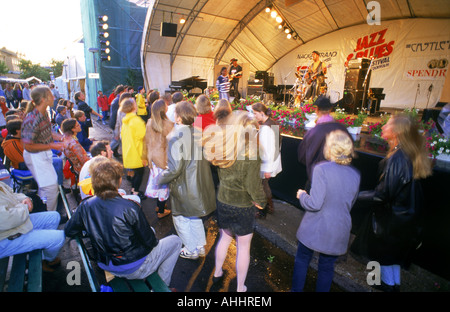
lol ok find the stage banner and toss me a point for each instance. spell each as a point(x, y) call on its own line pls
point(409, 60)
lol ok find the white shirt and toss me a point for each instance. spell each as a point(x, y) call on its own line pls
point(268, 142)
point(171, 112)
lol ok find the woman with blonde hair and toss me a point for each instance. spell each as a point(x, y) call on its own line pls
point(234, 150)
point(393, 226)
point(155, 154)
point(325, 227)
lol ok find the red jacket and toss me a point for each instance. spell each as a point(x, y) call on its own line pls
point(203, 121)
point(103, 102)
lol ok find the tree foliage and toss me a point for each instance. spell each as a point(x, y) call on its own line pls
point(3, 68)
point(29, 70)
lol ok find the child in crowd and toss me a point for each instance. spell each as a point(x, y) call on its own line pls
point(192, 193)
point(132, 134)
point(83, 135)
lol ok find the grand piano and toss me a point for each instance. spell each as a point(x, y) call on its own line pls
point(194, 85)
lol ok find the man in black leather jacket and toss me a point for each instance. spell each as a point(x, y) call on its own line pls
point(123, 241)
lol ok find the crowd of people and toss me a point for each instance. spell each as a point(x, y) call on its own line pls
point(197, 160)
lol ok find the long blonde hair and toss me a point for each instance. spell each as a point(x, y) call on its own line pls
point(412, 144)
point(237, 140)
point(158, 115)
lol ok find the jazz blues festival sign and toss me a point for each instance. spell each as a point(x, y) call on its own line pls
point(410, 59)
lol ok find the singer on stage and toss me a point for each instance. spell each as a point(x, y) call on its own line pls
point(315, 76)
point(235, 73)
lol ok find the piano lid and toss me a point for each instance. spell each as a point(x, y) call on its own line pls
point(192, 78)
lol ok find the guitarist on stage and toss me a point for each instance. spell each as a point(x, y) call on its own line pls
point(235, 73)
point(315, 76)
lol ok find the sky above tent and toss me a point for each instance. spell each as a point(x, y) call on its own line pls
point(41, 30)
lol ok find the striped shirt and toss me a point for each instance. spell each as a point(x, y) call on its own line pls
point(223, 85)
point(37, 128)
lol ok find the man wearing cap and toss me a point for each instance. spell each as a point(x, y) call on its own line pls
point(235, 73)
point(310, 150)
point(315, 75)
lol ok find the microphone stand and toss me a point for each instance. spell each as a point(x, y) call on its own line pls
point(285, 78)
point(417, 92)
point(430, 88)
point(365, 84)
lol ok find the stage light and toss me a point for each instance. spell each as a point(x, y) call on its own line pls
point(268, 10)
point(105, 42)
point(279, 19)
point(273, 14)
point(287, 30)
point(104, 34)
point(182, 20)
point(289, 36)
point(106, 57)
point(280, 27)
point(103, 26)
point(106, 50)
point(103, 18)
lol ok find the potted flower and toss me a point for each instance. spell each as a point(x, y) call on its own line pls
point(374, 129)
point(439, 149)
point(354, 124)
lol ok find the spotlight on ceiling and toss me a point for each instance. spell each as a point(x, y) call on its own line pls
point(289, 36)
point(268, 10)
point(279, 19)
point(287, 30)
point(273, 14)
point(182, 20)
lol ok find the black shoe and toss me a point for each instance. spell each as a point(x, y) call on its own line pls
point(218, 281)
point(384, 287)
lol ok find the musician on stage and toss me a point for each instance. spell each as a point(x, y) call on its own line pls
point(235, 73)
point(315, 76)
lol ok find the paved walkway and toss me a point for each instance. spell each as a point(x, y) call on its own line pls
point(350, 274)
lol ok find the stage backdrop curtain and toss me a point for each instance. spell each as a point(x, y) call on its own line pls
point(410, 59)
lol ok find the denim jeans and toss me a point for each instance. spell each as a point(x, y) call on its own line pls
point(191, 231)
point(301, 264)
point(390, 274)
point(44, 235)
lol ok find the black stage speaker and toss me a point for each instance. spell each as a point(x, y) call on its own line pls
point(168, 30)
point(352, 100)
point(354, 79)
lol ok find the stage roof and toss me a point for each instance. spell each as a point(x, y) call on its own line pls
point(220, 30)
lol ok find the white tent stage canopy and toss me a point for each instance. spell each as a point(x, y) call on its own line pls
point(410, 45)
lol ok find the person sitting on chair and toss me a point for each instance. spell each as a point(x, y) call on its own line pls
point(22, 232)
point(124, 243)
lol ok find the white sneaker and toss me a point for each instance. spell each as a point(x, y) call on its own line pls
point(201, 251)
point(188, 255)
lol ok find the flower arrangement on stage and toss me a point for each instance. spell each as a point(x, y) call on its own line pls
point(349, 120)
point(437, 144)
point(374, 128)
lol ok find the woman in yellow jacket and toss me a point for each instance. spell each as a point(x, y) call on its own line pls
point(133, 133)
point(141, 106)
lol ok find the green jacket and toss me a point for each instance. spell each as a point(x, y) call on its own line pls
point(241, 185)
point(188, 174)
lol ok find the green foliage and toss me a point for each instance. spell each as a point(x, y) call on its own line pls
point(3, 68)
point(29, 70)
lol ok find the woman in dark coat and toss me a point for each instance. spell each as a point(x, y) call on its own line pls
point(394, 225)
